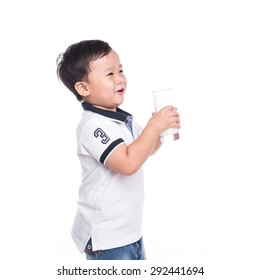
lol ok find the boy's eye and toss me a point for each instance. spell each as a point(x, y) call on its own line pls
point(121, 71)
point(110, 74)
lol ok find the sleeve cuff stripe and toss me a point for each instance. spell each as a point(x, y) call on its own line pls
point(109, 149)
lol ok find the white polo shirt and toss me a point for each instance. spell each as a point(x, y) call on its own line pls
point(110, 205)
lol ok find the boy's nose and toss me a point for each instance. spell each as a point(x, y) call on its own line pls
point(120, 80)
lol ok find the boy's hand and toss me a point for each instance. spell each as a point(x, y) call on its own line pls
point(167, 117)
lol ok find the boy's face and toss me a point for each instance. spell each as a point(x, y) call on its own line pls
point(106, 82)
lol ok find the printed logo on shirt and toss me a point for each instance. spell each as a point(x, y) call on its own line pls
point(100, 133)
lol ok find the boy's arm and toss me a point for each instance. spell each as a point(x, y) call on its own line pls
point(128, 159)
point(157, 146)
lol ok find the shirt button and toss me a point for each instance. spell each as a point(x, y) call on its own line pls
point(89, 247)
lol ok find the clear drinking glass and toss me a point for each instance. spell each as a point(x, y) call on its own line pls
point(162, 98)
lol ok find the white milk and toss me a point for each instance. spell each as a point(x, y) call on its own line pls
point(162, 98)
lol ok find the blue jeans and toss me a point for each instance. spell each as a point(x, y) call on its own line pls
point(134, 251)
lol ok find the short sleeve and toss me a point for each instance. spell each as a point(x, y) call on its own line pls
point(99, 138)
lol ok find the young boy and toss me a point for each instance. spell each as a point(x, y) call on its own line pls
point(112, 149)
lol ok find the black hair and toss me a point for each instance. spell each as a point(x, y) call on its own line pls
point(74, 64)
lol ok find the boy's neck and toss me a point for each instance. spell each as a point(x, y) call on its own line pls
point(103, 108)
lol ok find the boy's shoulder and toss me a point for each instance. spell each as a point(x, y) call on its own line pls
point(91, 120)
point(89, 117)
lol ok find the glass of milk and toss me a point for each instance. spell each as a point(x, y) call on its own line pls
point(162, 98)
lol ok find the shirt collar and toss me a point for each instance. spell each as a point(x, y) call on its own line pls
point(119, 115)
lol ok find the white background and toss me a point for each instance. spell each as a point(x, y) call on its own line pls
point(202, 201)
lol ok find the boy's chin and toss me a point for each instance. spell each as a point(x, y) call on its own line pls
point(119, 103)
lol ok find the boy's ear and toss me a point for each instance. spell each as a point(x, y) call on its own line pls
point(82, 88)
